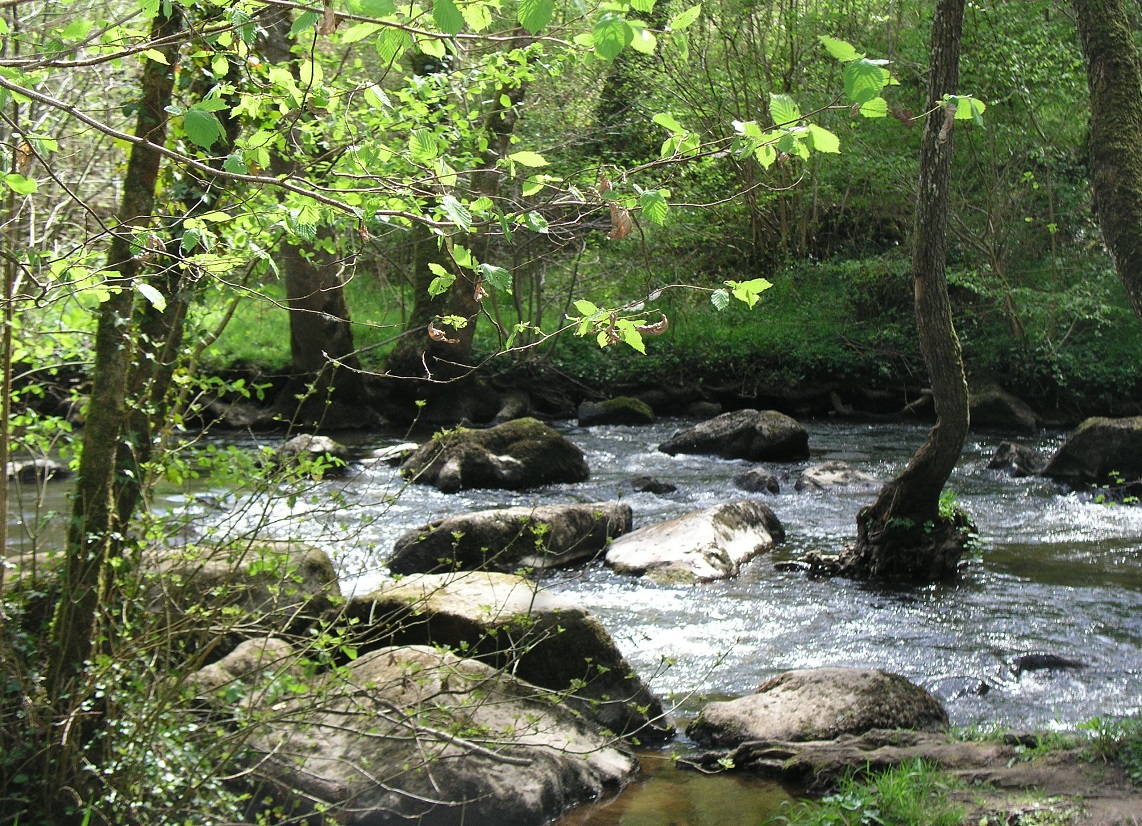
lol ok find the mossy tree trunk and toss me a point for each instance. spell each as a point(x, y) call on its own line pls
point(100, 508)
point(902, 535)
point(1115, 82)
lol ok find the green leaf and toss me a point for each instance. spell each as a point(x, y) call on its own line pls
point(477, 15)
point(157, 299)
point(234, 164)
point(202, 126)
point(842, 50)
point(645, 6)
point(441, 284)
point(748, 291)
point(654, 206)
point(875, 108)
point(643, 41)
point(157, 56)
point(667, 121)
point(765, 155)
point(681, 45)
point(305, 20)
point(967, 107)
point(498, 277)
point(823, 140)
point(19, 184)
point(533, 15)
point(629, 334)
point(864, 80)
point(447, 17)
point(378, 8)
point(457, 213)
point(533, 185)
point(685, 18)
point(391, 44)
point(720, 299)
point(422, 146)
point(529, 159)
point(783, 109)
point(585, 308)
point(359, 32)
point(611, 34)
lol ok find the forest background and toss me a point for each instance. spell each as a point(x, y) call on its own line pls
point(265, 200)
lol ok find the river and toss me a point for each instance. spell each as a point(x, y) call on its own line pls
point(1055, 572)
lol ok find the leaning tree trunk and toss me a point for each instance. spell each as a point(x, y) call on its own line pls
point(902, 535)
point(1115, 82)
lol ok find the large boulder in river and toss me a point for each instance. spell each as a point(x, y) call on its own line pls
point(992, 406)
point(756, 435)
point(700, 546)
point(819, 704)
point(404, 735)
point(519, 454)
point(835, 474)
point(328, 456)
point(508, 539)
point(1016, 460)
point(1098, 448)
point(228, 593)
point(510, 623)
point(619, 410)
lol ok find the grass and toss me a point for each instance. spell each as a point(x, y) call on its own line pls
point(1117, 740)
point(913, 794)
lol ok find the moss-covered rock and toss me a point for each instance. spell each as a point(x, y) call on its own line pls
point(511, 539)
point(510, 623)
point(516, 455)
point(619, 410)
point(756, 435)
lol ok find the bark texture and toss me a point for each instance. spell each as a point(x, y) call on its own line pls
point(96, 531)
point(1115, 82)
point(902, 535)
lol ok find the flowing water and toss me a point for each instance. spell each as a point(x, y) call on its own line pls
point(1056, 572)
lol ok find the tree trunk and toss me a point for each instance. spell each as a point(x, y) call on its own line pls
point(902, 535)
point(97, 531)
point(1115, 134)
point(324, 364)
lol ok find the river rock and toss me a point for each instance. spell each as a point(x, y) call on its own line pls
point(509, 539)
point(744, 434)
point(1016, 460)
point(619, 410)
point(758, 480)
point(392, 455)
point(992, 406)
point(249, 589)
point(700, 546)
point(520, 454)
point(510, 623)
point(246, 665)
point(835, 474)
point(418, 735)
point(1096, 449)
point(819, 704)
point(333, 456)
point(649, 484)
point(38, 470)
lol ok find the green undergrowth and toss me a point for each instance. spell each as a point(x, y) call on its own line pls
point(913, 794)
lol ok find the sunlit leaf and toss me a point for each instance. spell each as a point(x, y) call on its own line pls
point(875, 108)
point(202, 127)
point(533, 15)
point(842, 50)
point(457, 213)
point(498, 277)
point(654, 206)
point(359, 32)
point(863, 80)
point(783, 109)
point(157, 299)
point(823, 140)
point(529, 159)
point(611, 34)
point(19, 184)
point(685, 18)
point(391, 44)
point(447, 17)
point(305, 20)
point(667, 121)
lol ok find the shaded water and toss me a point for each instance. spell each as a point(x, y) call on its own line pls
point(1056, 573)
